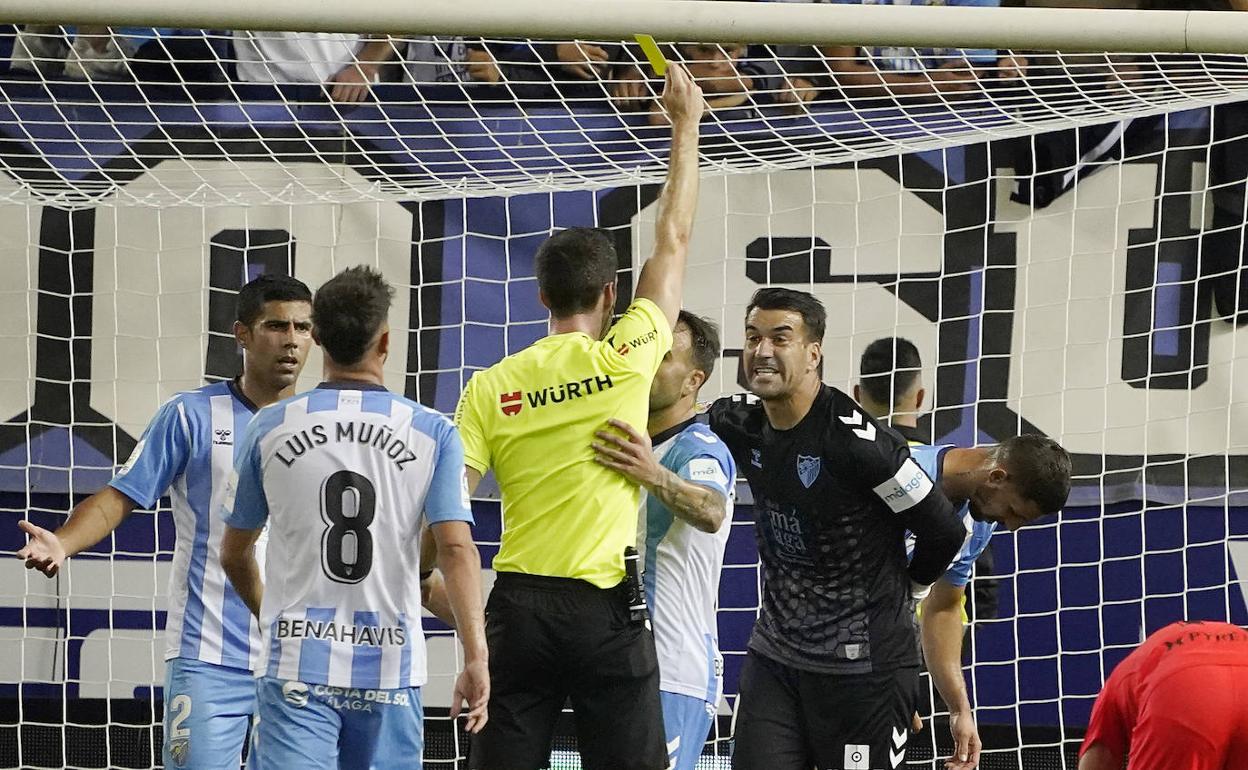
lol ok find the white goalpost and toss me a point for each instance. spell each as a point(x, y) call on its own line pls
point(1049, 203)
point(1066, 29)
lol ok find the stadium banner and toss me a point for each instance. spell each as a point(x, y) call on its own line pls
point(1080, 300)
point(1105, 318)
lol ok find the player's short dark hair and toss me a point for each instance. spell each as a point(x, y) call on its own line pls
point(1040, 468)
point(703, 341)
point(814, 316)
point(889, 368)
point(572, 266)
point(348, 310)
point(269, 288)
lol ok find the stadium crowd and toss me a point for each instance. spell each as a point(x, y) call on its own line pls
point(347, 65)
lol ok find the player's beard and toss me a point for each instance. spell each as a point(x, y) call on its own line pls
point(660, 400)
point(976, 507)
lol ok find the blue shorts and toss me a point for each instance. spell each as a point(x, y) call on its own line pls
point(312, 725)
point(687, 722)
point(208, 709)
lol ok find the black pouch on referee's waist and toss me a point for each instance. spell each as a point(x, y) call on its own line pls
point(634, 592)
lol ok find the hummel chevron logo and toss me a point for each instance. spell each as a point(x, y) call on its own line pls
point(867, 433)
point(899, 738)
point(897, 752)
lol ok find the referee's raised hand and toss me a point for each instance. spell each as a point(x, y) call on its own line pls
point(682, 98)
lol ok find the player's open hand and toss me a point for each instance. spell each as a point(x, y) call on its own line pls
point(472, 686)
point(966, 745)
point(682, 98)
point(43, 551)
point(629, 452)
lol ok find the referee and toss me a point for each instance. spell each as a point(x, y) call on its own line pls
point(558, 622)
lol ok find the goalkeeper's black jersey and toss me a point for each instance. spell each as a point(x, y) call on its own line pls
point(833, 498)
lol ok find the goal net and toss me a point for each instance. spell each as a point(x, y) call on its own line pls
point(1061, 235)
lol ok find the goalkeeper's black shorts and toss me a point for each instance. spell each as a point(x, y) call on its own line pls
point(789, 719)
point(554, 641)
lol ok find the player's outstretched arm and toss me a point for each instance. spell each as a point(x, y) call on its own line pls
point(91, 521)
point(941, 630)
point(238, 559)
point(460, 564)
point(662, 277)
point(159, 458)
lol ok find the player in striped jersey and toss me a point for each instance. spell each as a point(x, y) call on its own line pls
point(1013, 484)
point(344, 475)
point(188, 452)
point(686, 513)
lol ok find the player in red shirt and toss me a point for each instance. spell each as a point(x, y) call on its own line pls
point(1178, 702)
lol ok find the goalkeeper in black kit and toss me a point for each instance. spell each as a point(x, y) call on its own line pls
point(832, 673)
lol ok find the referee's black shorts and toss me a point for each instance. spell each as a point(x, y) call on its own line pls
point(789, 719)
point(554, 640)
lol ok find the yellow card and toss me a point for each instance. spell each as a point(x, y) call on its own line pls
point(652, 52)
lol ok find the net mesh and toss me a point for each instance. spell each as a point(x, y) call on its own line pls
point(455, 117)
point(1064, 246)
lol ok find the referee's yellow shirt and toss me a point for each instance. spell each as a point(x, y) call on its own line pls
point(532, 417)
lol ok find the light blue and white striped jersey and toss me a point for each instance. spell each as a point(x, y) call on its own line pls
point(188, 451)
point(682, 565)
point(931, 460)
point(344, 475)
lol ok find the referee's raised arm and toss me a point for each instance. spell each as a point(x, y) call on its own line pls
point(566, 618)
point(662, 278)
